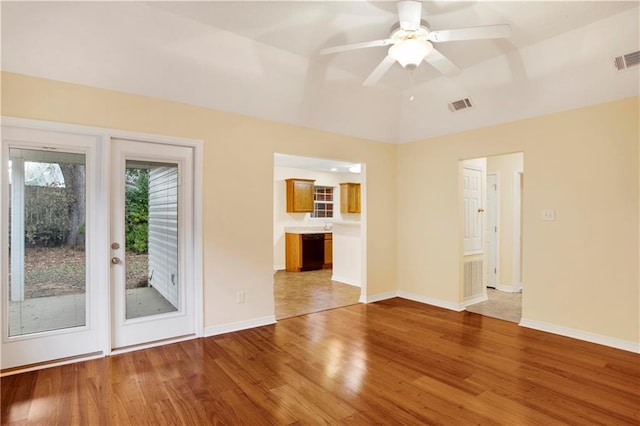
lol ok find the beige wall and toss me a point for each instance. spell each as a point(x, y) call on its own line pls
point(505, 166)
point(238, 181)
point(580, 271)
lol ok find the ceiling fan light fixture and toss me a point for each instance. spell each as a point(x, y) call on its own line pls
point(409, 53)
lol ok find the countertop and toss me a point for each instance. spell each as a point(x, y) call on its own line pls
point(306, 230)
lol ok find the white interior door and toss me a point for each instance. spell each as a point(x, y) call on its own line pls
point(151, 242)
point(52, 251)
point(472, 205)
point(492, 229)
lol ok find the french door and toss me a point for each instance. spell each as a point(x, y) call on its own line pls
point(53, 273)
point(151, 242)
point(97, 246)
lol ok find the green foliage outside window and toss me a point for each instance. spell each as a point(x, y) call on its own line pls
point(137, 210)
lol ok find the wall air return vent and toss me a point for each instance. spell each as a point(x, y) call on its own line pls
point(459, 105)
point(626, 61)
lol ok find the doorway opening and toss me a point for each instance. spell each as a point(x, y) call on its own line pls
point(319, 220)
point(491, 262)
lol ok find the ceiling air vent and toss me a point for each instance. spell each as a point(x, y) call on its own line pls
point(461, 104)
point(625, 61)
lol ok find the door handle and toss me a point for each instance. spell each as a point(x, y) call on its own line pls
point(480, 210)
point(116, 260)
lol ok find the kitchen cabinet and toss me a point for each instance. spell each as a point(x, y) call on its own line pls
point(299, 195)
point(349, 197)
point(328, 251)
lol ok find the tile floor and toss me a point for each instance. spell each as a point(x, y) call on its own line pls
point(299, 293)
point(501, 304)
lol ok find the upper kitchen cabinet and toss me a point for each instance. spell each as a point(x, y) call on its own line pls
point(299, 195)
point(349, 197)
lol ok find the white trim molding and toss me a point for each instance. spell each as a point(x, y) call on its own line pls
point(625, 345)
point(517, 228)
point(475, 299)
point(239, 325)
point(510, 288)
point(347, 281)
point(458, 307)
point(415, 298)
point(379, 297)
point(498, 225)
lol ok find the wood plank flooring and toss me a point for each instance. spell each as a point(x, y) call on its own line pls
point(391, 362)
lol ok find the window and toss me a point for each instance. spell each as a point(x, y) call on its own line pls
point(322, 202)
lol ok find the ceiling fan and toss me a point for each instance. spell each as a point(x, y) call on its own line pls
point(411, 42)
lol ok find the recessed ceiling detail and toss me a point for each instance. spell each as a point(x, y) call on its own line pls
point(260, 58)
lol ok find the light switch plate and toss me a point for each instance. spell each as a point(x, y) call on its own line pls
point(548, 214)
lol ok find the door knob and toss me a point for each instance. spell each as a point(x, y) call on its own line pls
point(481, 210)
point(116, 260)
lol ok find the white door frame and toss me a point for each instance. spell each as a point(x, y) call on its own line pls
point(105, 135)
point(177, 324)
point(517, 230)
point(497, 224)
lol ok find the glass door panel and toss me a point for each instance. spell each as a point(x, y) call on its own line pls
point(151, 238)
point(47, 257)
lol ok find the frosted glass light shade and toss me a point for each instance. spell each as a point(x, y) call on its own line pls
point(410, 52)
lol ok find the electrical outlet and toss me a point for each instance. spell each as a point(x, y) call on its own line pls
point(240, 297)
point(548, 214)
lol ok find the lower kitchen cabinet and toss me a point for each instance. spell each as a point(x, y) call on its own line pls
point(308, 252)
point(328, 251)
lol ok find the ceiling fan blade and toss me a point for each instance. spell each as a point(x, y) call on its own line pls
point(410, 14)
point(353, 46)
point(441, 63)
point(380, 70)
point(472, 33)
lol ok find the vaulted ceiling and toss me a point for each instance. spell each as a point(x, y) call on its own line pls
point(261, 59)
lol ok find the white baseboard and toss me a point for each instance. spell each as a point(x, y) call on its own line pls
point(600, 339)
point(509, 288)
point(429, 301)
point(475, 299)
point(344, 280)
point(240, 325)
point(379, 297)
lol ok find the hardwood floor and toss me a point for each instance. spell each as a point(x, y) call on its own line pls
point(299, 293)
point(391, 362)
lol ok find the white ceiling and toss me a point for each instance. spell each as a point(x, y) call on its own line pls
point(310, 163)
point(260, 59)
